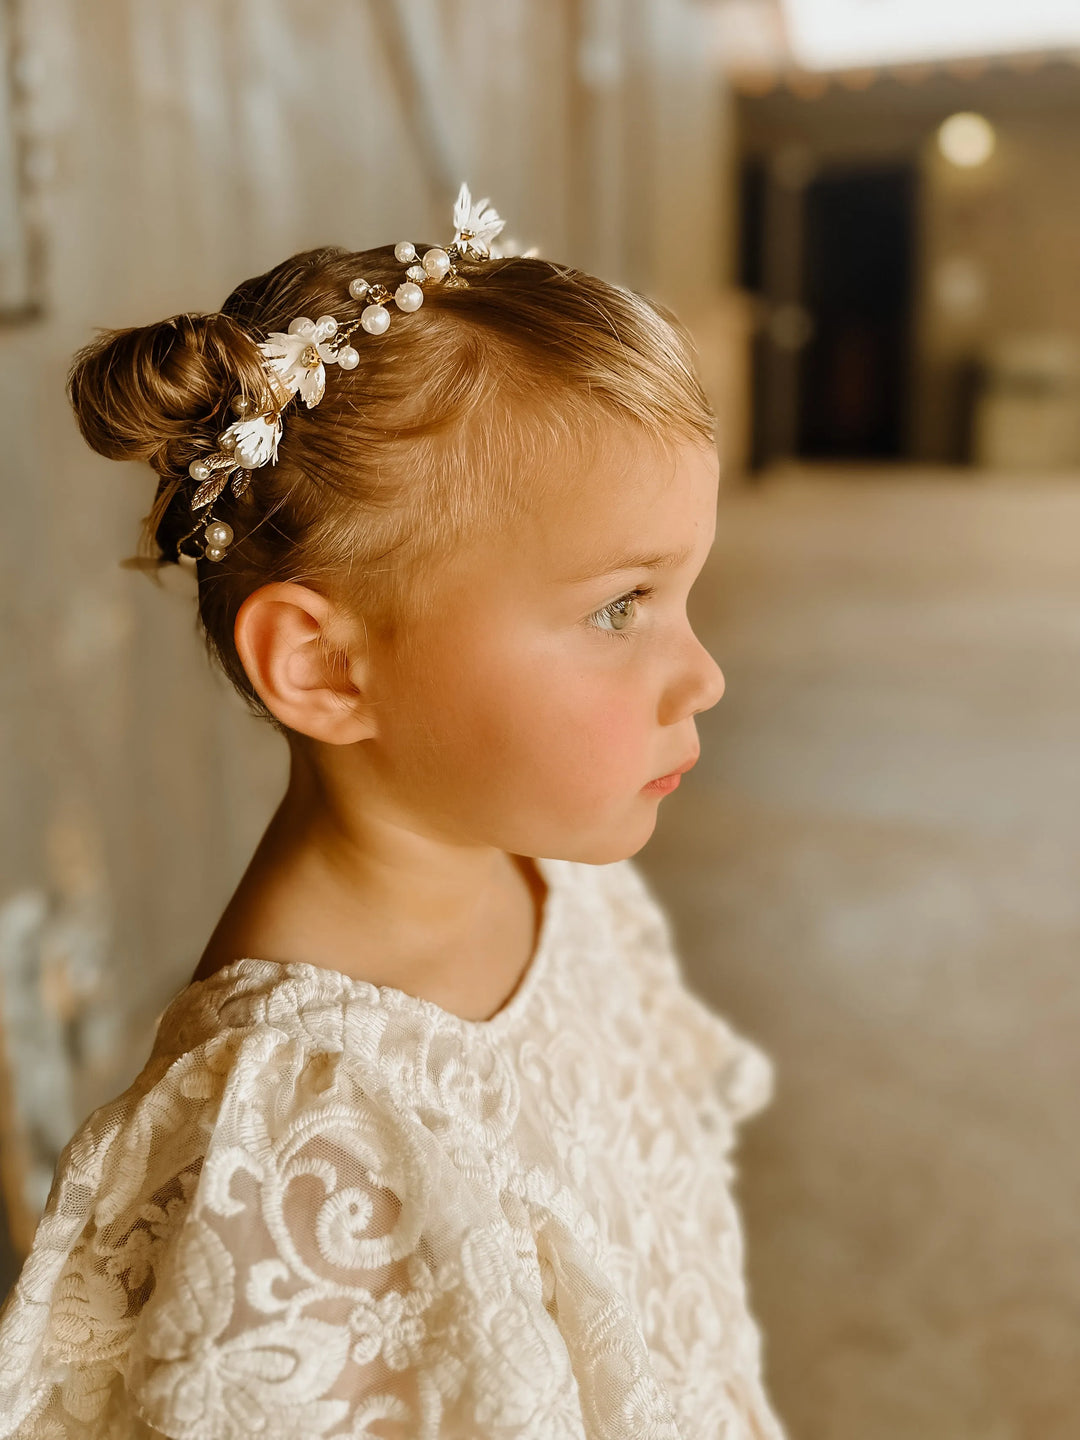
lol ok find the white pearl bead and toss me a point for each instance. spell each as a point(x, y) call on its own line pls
point(199, 470)
point(375, 319)
point(408, 297)
point(249, 459)
point(417, 274)
point(213, 552)
point(325, 329)
point(227, 443)
point(348, 358)
point(358, 289)
point(303, 327)
point(436, 262)
point(219, 534)
point(405, 251)
point(242, 406)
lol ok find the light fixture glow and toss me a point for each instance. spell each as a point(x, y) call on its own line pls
point(966, 139)
point(837, 34)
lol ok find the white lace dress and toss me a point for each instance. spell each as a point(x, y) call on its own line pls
point(326, 1208)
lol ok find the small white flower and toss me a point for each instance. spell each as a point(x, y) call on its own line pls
point(298, 362)
point(479, 222)
point(253, 442)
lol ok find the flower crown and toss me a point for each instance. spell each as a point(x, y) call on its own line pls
point(295, 362)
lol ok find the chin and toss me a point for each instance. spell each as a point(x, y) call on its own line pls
point(603, 850)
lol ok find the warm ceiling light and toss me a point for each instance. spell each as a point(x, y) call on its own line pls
point(966, 139)
point(836, 34)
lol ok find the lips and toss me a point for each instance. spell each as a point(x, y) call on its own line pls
point(683, 768)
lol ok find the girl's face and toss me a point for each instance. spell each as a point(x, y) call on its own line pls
point(560, 673)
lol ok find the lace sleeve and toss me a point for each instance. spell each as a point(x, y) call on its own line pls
point(700, 1044)
point(337, 1275)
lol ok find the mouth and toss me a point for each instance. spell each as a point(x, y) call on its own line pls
point(680, 770)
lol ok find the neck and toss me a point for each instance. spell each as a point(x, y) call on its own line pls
point(355, 889)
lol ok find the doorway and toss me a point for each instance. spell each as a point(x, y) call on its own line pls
point(857, 279)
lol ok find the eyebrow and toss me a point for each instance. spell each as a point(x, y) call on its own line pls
point(646, 560)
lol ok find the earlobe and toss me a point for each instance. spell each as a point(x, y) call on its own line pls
point(288, 637)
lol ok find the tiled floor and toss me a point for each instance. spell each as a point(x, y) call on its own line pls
point(874, 872)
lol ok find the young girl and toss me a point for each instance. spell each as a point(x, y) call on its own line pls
point(435, 1142)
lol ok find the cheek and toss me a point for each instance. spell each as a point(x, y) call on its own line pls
point(598, 727)
point(508, 711)
point(562, 717)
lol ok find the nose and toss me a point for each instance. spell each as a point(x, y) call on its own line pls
point(698, 685)
point(713, 685)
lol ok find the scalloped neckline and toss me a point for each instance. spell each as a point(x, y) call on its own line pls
point(399, 999)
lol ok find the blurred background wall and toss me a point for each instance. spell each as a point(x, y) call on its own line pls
point(919, 308)
point(872, 870)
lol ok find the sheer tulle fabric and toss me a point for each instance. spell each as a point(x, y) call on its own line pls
point(326, 1208)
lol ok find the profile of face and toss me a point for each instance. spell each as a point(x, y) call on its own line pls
point(556, 676)
point(559, 674)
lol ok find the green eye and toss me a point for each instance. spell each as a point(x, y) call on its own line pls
point(621, 618)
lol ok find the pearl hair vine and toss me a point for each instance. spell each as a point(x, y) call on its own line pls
point(295, 363)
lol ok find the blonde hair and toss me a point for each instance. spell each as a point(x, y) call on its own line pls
point(439, 435)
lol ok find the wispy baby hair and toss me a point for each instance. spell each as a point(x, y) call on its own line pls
point(440, 433)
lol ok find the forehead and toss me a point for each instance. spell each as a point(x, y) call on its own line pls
point(629, 503)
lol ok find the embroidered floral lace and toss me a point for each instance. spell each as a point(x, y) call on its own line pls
point(326, 1208)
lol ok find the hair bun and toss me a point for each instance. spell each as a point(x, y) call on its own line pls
point(145, 393)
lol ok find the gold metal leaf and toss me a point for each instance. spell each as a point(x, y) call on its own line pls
point(209, 490)
point(240, 482)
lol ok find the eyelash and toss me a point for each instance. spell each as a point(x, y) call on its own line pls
point(641, 593)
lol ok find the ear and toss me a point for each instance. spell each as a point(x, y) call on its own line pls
point(307, 662)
